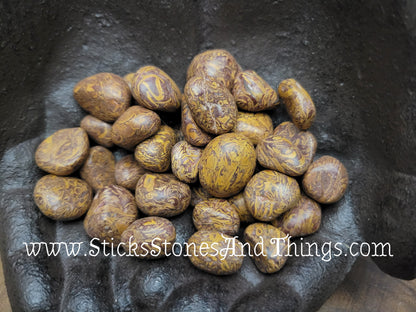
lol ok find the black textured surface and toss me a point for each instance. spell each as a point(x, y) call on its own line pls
point(357, 59)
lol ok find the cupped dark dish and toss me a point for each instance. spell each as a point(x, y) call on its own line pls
point(355, 58)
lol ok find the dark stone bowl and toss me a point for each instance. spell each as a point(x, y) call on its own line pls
point(356, 58)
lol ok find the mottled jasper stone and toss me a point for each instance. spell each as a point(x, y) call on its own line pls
point(149, 238)
point(298, 102)
point(303, 219)
point(326, 180)
point(97, 130)
point(305, 141)
point(215, 252)
point(154, 154)
point(185, 160)
point(269, 246)
point(239, 204)
point(134, 126)
point(288, 150)
point(155, 90)
point(198, 194)
point(226, 164)
point(63, 152)
point(252, 93)
point(112, 211)
point(128, 172)
point(129, 79)
point(62, 198)
point(162, 195)
point(104, 95)
point(270, 193)
point(216, 214)
point(212, 105)
point(216, 64)
point(254, 126)
point(191, 131)
point(98, 169)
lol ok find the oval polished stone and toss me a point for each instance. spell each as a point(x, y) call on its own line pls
point(326, 180)
point(252, 93)
point(298, 102)
point(278, 153)
point(149, 238)
point(128, 172)
point(270, 193)
point(134, 126)
point(288, 150)
point(212, 105)
point(154, 154)
point(226, 165)
point(215, 252)
point(303, 219)
point(104, 95)
point(112, 211)
point(162, 195)
point(269, 246)
point(63, 152)
point(62, 198)
point(254, 126)
point(192, 132)
point(305, 141)
point(98, 169)
point(185, 160)
point(216, 214)
point(155, 90)
point(97, 130)
point(215, 64)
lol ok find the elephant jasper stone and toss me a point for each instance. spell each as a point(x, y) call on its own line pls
point(62, 198)
point(154, 154)
point(216, 214)
point(326, 180)
point(112, 211)
point(252, 93)
point(209, 251)
point(270, 193)
point(191, 131)
point(288, 150)
point(99, 167)
point(298, 102)
point(162, 195)
point(239, 204)
point(254, 126)
point(155, 90)
point(98, 130)
point(305, 141)
point(63, 152)
point(215, 64)
point(211, 104)
point(185, 160)
point(226, 164)
point(149, 238)
point(269, 246)
point(134, 126)
point(303, 219)
point(104, 95)
point(128, 172)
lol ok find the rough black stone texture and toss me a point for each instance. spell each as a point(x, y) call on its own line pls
point(357, 59)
